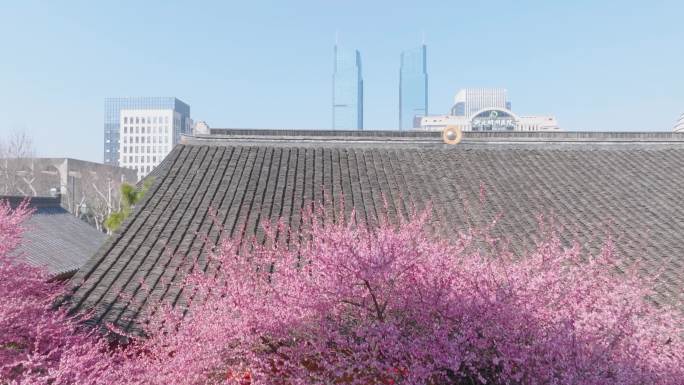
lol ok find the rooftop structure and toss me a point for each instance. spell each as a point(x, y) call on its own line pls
point(629, 185)
point(55, 239)
point(201, 128)
point(679, 126)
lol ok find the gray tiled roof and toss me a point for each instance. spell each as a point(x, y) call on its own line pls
point(55, 239)
point(630, 184)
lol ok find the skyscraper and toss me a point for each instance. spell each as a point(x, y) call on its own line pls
point(468, 101)
point(413, 87)
point(140, 131)
point(347, 90)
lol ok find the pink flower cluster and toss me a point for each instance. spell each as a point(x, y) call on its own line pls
point(38, 343)
point(351, 305)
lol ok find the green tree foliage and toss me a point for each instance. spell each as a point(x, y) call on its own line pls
point(130, 196)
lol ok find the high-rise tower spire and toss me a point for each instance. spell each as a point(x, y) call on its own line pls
point(413, 87)
point(347, 103)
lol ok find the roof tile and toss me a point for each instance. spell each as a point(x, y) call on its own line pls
point(630, 186)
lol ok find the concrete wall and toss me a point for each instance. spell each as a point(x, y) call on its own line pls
point(89, 190)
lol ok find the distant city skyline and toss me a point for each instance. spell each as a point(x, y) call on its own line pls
point(268, 64)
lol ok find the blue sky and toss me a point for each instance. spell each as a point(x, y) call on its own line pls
point(596, 65)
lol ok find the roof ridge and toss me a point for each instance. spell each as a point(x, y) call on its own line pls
point(429, 137)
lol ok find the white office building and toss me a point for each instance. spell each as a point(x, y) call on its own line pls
point(469, 101)
point(148, 135)
point(679, 126)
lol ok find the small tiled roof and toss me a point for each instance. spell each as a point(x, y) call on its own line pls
point(628, 184)
point(55, 239)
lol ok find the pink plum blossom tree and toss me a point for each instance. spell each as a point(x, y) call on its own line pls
point(394, 305)
point(38, 343)
point(352, 305)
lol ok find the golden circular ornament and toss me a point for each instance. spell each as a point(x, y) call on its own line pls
point(452, 135)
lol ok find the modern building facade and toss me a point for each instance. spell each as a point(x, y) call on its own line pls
point(413, 88)
point(491, 119)
point(88, 190)
point(679, 126)
point(147, 136)
point(487, 109)
point(469, 101)
point(347, 90)
point(168, 108)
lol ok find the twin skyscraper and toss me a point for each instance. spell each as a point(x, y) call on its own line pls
point(348, 89)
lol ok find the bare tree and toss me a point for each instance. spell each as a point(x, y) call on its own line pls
point(17, 145)
point(16, 164)
point(89, 191)
point(93, 196)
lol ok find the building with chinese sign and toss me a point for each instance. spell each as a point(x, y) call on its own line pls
point(491, 119)
point(486, 109)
